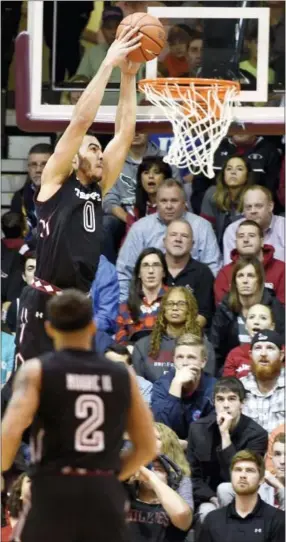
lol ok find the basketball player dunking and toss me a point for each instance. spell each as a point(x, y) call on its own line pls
point(68, 205)
point(79, 404)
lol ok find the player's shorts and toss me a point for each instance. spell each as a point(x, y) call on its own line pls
point(74, 509)
point(31, 337)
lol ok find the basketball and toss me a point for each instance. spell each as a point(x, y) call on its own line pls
point(153, 38)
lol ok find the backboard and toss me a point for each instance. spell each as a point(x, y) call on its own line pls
point(224, 30)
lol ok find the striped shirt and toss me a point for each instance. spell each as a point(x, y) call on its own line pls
point(267, 409)
point(126, 327)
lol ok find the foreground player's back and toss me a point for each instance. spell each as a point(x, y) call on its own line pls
point(82, 413)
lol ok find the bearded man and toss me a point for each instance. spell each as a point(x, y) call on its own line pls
point(265, 383)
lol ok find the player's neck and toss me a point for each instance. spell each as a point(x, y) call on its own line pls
point(73, 343)
point(244, 504)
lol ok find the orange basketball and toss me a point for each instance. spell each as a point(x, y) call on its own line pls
point(153, 38)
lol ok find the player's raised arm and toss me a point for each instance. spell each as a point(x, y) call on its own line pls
point(116, 151)
point(59, 165)
point(141, 432)
point(21, 410)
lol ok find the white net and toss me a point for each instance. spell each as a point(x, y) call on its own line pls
point(200, 116)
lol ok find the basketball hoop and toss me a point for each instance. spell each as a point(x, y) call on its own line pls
point(200, 111)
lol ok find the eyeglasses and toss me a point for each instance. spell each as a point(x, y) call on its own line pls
point(155, 265)
point(179, 304)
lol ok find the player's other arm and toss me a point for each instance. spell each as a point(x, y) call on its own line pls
point(59, 166)
point(21, 410)
point(116, 151)
point(141, 433)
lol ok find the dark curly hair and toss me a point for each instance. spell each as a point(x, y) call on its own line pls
point(141, 196)
point(189, 326)
point(135, 290)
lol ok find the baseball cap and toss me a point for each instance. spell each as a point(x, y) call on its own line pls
point(269, 336)
point(112, 12)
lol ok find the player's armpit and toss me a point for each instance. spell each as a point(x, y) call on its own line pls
point(141, 432)
point(21, 410)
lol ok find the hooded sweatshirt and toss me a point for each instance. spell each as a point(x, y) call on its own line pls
point(274, 275)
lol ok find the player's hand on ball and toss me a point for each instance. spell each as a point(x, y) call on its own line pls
point(128, 41)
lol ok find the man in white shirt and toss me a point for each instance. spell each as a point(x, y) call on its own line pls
point(258, 206)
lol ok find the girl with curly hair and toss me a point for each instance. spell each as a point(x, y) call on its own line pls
point(222, 204)
point(153, 355)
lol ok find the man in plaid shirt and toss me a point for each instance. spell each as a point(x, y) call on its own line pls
point(265, 383)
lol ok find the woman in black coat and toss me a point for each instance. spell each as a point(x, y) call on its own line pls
point(247, 289)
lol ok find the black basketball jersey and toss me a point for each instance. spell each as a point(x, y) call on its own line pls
point(82, 413)
point(69, 235)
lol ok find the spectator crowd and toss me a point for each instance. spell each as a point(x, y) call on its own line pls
point(190, 292)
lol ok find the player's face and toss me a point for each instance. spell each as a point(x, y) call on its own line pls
point(258, 318)
point(229, 402)
point(170, 203)
point(179, 239)
point(248, 241)
point(246, 281)
point(235, 173)
point(152, 179)
point(30, 268)
point(90, 159)
point(36, 164)
point(257, 207)
point(176, 308)
point(278, 459)
point(151, 272)
point(266, 360)
point(195, 53)
point(245, 478)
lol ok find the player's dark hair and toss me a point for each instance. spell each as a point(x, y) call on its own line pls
point(251, 223)
point(12, 225)
point(135, 290)
point(70, 311)
point(41, 148)
point(230, 384)
point(141, 196)
point(121, 350)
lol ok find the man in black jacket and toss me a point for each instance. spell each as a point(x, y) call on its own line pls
point(183, 270)
point(215, 439)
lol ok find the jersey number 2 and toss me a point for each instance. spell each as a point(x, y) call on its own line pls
point(89, 217)
point(87, 437)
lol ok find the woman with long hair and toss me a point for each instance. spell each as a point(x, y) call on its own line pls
point(169, 444)
point(153, 355)
point(222, 204)
point(137, 316)
point(247, 289)
point(151, 172)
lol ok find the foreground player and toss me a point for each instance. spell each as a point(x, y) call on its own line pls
point(68, 204)
point(79, 404)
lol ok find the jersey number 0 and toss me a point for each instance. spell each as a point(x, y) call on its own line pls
point(87, 436)
point(89, 222)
